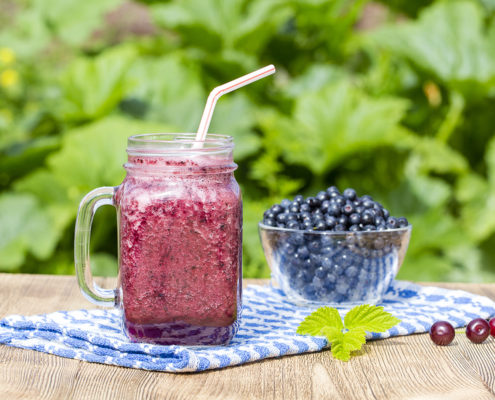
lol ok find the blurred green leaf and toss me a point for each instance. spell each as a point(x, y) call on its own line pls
point(171, 89)
point(447, 40)
point(337, 121)
point(235, 116)
point(73, 21)
point(24, 227)
point(93, 87)
point(478, 197)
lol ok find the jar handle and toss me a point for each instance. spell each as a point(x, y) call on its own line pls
point(87, 208)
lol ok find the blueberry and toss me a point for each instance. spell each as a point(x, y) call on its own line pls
point(337, 269)
point(304, 215)
point(339, 200)
point(269, 222)
point(378, 221)
point(348, 209)
point(314, 245)
point(292, 225)
point(326, 263)
point(313, 202)
point(354, 219)
point(367, 217)
point(403, 222)
point(369, 228)
point(277, 209)
point(294, 208)
point(349, 194)
point(310, 292)
point(339, 228)
point(368, 203)
point(269, 214)
point(305, 207)
point(330, 221)
point(317, 217)
point(320, 272)
point(333, 189)
point(322, 196)
point(282, 218)
point(354, 228)
point(303, 252)
point(307, 224)
point(317, 211)
point(320, 226)
point(332, 278)
point(324, 205)
point(318, 282)
point(381, 227)
point(342, 287)
point(291, 216)
point(296, 239)
point(285, 203)
point(366, 197)
point(343, 220)
point(288, 248)
point(298, 199)
point(334, 210)
point(392, 222)
point(385, 212)
point(351, 272)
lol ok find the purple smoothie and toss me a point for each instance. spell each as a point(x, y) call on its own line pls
point(180, 227)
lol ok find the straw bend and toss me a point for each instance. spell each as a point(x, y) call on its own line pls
point(226, 88)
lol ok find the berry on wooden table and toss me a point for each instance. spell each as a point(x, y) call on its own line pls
point(478, 330)
point(442, 333)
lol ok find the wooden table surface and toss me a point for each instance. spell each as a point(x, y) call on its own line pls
point(408, 367)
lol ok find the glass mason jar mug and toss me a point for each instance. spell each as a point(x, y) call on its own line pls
point(179, 213)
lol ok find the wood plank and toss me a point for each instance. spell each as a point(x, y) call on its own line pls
point(403, 367)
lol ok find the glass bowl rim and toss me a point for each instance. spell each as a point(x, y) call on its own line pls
point(404, 229)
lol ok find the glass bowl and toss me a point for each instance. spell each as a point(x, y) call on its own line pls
point(334, 268)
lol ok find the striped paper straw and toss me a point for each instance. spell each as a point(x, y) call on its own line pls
point(221, 90)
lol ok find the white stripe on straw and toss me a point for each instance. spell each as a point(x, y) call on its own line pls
point(221, 90)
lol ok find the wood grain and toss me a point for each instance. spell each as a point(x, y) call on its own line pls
point(398, 368)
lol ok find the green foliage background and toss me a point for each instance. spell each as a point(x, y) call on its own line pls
point(395, 99)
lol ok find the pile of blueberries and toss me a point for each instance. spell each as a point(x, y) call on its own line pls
point(331, 210)
point(345, 268)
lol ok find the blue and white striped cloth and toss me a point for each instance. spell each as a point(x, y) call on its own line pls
point(268, 329)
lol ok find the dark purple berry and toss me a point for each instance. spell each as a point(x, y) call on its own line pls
point(269, 222)
point(354, 218)
point(402, 222)
point(334, 210)
point(349, 194)
point(492, 327)
point(277, 209)
point(478, 330)
point(442, 333)
point(348, 209)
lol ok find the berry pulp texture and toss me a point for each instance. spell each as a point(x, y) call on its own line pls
point(478, 330)
point(180, 253)
point(442, 333)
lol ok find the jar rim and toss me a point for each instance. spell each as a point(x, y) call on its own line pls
point(166, 143)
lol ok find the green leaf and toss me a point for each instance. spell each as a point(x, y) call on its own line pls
point(25, 227)
point(74, 21)
point(317, 320)
point(235, 116)
point(93, 87)
point(344, 343)
point(448, 41)
point(177, 99)
point(370, 318)
point(337, 121)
